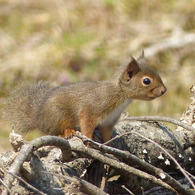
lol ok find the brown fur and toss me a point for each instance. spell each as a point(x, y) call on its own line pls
point(86, 105)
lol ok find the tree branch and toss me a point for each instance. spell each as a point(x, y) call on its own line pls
point(119, 165)
point(29, 148)
point(191, 137)
point(142, 164)
point(85, 186)
point(163, 118)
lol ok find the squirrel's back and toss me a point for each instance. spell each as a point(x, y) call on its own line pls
point(23, 104)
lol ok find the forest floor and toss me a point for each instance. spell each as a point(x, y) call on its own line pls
point(70, 41)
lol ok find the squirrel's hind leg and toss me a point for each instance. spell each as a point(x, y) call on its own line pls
point(106, 132)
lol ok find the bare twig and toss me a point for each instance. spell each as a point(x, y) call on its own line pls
point(28, 185)
point(124, 187)
point(86, 186)
point(146, 166)
point(176, 40)
point(191, 137)
point(193, 177)
point(30, 147)
point(5, 185)
point(176, 184)
point(162, 118)
point(169, 155)
point(119, 165)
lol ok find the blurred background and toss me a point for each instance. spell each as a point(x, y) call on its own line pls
point(67, 41)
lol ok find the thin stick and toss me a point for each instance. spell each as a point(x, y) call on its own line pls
point(86, 186)
point(146, 166)
point(122, 166)
point(168, 154)
point(28, 148)
point(27, 184)
point(131, 193)
point(165, 151)
point(162, 118)
point(5, 185)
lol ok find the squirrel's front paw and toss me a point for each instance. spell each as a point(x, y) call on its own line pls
point(68, 133)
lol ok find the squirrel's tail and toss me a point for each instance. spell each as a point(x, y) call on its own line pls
point(23, 104)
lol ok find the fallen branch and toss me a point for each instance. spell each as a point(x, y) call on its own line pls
point(109, 156)
point(119, 165)
point(171, 157)
point(8, 190)
point(28, 148)
point(27, 184)
point(142, 164)
point(176, 40)
point(84, 185)
point(164, 119)
point(191, 137)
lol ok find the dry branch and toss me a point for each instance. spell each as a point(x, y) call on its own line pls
point(28, 148)
point(117, 164)
point(84, 185)
point(176, 40)
point(142, 164)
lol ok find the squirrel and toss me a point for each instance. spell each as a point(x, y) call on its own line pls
point(86, 105)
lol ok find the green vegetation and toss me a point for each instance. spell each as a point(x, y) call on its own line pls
point(68, 41)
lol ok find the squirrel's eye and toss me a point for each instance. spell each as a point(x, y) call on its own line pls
point(146, 81)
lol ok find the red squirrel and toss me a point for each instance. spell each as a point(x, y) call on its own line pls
point(87, 105)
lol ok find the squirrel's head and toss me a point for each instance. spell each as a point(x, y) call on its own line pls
point(139, 81)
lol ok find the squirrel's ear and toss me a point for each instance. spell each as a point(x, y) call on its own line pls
point(131, 69)
point(141, 59)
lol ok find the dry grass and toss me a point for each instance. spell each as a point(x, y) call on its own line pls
point(67, 41)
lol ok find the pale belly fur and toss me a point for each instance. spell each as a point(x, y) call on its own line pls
point(115, 114)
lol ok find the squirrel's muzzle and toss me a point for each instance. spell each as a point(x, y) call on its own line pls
point(158, 91)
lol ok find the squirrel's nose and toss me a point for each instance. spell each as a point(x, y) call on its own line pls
point(163, 90)
point(158, 91)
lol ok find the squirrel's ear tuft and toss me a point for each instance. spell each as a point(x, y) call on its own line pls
point(131, 69)
point(141, 59)
point(143, 53)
